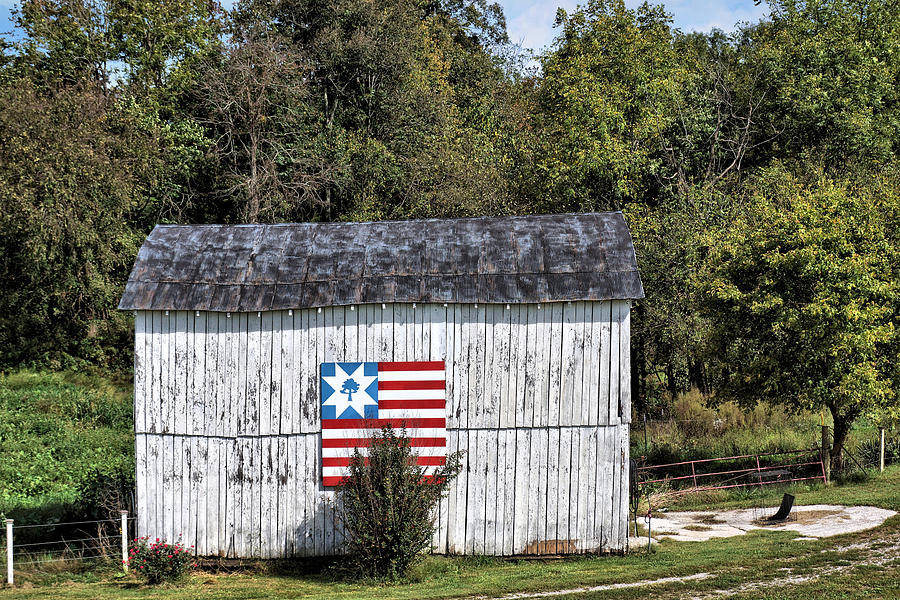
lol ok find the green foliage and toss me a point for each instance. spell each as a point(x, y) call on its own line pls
point(638, 116)
point(386, 506)
point(156, 43)
point(65, 446)
point(86, 172)
point(671, 245)
point(116, 115)
point(606, 96)
point(870, 450)
point(66, 245)
point(159, 561)
point(803, 294)
point(360, 110)
point(833, 67)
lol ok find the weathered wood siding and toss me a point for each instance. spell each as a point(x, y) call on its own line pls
point(227, 423)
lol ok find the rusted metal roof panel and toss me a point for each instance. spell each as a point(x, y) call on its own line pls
point(543, 258)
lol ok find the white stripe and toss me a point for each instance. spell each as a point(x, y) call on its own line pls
point(413, 413)
point(418, 451)
point(412, 394)
point(334, 471)
point(335, 434)
point(411, 375)
point(342, 471)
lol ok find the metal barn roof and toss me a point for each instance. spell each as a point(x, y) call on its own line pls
point(304, 265)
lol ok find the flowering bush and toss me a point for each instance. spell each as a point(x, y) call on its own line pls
point(159, 561)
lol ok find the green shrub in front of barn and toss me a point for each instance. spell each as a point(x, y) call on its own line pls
point(159, 561)
point(385, 506)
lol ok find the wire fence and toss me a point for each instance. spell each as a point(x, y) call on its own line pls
point(110, 543)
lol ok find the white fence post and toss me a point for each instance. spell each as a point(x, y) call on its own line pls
point(9, 551)
point(124, 514)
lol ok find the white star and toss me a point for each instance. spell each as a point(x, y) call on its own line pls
point(358, 399)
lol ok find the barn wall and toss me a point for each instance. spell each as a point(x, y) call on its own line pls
point(227, 423)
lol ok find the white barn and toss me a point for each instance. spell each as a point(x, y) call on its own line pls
point(530, 314)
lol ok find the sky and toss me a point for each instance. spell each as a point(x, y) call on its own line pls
point(530, 22)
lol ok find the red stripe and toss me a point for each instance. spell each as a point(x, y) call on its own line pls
point(379, 423)
point(344, 461)
point(432, 384)
point(417, 442)
point(435, 365)
point(411, 404)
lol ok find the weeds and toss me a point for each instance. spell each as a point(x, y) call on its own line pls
point(697, 431)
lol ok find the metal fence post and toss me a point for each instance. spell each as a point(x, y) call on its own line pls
point(826, 453)
point(9, 551)
point(124, 515)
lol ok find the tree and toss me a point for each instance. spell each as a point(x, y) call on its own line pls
point(161, 44)
point(605, 99)
point(803, 300)
point(834, 68)
point(69, 198)
point(256, 105)
point(146, 45)
point(638, 116)
point(65, 41)
point(359, 110)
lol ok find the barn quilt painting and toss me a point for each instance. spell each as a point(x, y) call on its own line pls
point(359, 398)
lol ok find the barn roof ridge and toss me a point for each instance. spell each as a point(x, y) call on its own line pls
point(387, 221)
point(252, 267)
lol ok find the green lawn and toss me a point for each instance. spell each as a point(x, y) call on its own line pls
point(754, 559)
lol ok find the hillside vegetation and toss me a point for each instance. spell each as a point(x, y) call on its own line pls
point(66, 445)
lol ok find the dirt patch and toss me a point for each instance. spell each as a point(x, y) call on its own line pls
point(709, 519)
point(804, 517)
point(813, 521)
point(877, 553)
point(597, 588)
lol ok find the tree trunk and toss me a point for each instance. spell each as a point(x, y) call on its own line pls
point(841, 429)
point(252, 211)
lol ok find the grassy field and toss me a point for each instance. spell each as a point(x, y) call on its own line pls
point(763, 564)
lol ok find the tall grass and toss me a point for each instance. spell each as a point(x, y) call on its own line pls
point(697, 431)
